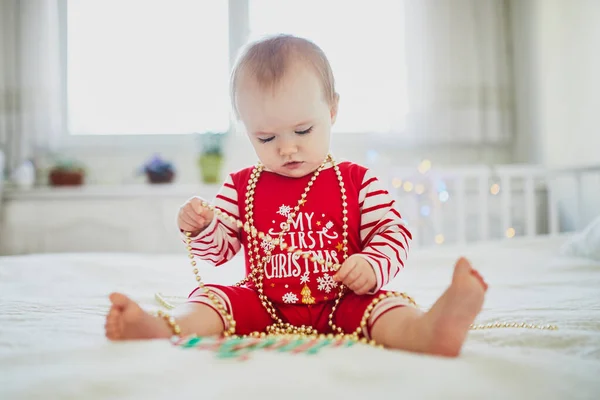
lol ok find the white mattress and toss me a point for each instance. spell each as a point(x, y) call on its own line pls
point(52, 345)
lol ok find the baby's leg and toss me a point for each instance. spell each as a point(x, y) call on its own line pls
point(126, 320)
point(443, 329)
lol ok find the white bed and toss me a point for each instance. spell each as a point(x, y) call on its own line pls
point(52, 345)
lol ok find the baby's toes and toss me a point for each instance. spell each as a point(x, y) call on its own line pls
point(478, 276)
point(113, 333)
point(113, 322)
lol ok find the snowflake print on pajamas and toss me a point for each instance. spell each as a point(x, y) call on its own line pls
point(326, 283)
point(290, 298)
point(284, 210)
point(266, 245)
point(305, 278)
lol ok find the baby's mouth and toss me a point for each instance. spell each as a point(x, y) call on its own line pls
point(293, 164)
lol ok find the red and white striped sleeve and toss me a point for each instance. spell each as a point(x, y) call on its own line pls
point(383, 233)
point(220, 241)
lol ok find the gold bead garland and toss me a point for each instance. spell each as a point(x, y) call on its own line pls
point(171, 321)
point(513, 325)
point(257, 263)
point(279, 326)
point(475, 327)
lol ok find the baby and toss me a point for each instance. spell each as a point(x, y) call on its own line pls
point(283, 91)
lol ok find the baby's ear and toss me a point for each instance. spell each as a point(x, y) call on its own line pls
point(333, 110)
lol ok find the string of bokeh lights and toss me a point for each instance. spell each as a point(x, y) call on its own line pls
point(441, 195)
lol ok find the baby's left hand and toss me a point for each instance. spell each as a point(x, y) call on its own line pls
point(357, 274)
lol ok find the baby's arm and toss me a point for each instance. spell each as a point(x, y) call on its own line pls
point(383, 233)
point(220, 240)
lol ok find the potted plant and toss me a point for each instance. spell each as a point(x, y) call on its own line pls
point(66, 172)
point(211, 156)
point(158, 170)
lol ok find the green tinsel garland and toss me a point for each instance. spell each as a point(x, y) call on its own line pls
point(241, 348)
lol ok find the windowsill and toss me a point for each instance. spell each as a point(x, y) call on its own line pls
point(110, 191)
point(377, 141)
point(113, 142)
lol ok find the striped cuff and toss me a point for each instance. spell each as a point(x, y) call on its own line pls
point(205, 233)
point(381, 308)
point(378, 277)
point(202, 298)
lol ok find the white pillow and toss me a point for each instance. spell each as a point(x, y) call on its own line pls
point(585, 244)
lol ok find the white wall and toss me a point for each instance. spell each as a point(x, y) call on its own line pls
point(524, 23)
point(557, 59)
point(572, 104)
point(557, 64)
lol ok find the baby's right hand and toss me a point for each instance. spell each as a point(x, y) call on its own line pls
point(193, 217)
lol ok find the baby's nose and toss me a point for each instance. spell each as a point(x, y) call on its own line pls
point(288, 148)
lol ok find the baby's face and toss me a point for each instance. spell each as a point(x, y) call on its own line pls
point(289, 126)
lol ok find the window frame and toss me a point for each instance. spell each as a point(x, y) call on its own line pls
point(238, 34)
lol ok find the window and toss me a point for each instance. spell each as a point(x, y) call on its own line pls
point(147, 67)
point(364, 42)
point(138, 67)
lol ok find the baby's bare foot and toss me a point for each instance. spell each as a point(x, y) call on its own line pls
point(451, 316)
point(126, 320)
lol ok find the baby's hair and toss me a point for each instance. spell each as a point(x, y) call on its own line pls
point(268, 59)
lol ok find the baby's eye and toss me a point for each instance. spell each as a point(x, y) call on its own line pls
point(267, 139)
point(305, 131)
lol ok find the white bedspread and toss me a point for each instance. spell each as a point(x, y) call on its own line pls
point(52, 345)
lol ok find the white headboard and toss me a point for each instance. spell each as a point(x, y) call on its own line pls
point(479, 203)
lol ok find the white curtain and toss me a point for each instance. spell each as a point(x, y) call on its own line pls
point(31, 87)
point(459, 79)
point(428, 72)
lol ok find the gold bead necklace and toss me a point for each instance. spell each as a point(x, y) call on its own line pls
point(257, 263)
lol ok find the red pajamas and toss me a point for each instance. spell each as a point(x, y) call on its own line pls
point(304, 291)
